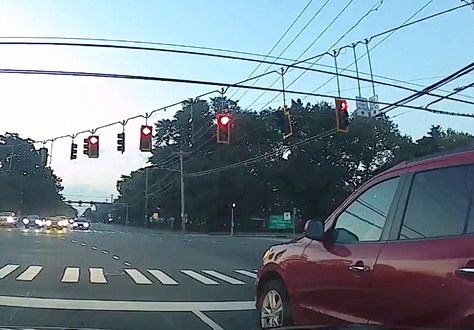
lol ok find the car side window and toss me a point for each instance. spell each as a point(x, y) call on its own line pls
point(438, 203)
point(363, 220)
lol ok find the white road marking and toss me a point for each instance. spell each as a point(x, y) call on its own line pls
point(223, 277)
point(71, 275)
point(213, 325)
point(137, 277)
point(255, 270)
point(121, 305)
point(97, 275)
point(246, 273)
point(30, 273)
point(162, 277)
point(199, 277)
point(7, 270)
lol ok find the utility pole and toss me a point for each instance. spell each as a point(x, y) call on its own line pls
point(146, 196)
point(181, 175)
point(294, 220)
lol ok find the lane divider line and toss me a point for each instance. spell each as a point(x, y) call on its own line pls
point(105, 252)
point(223, 277)
point(83, 243)
point(162, 277)
point(30, 273)
point(199, 277)
point(94, 247)
point(206, 319)
point(116, 257)
point(71, 275)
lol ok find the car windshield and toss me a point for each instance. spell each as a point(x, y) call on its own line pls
point(160, 161)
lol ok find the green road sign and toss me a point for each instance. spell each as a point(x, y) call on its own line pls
point(280, 222)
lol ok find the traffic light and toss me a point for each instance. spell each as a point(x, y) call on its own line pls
point(91, 204)
point(342, 116)
point(80, 203)
point(284, 122)
point(223, 128)
point(121, 142)
point(43, 153)
point(146, 138)
point(91, 146)
point(73, 150)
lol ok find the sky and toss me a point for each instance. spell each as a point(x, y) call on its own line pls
point(42, 107)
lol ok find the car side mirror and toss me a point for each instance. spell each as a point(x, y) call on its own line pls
point(314, 229)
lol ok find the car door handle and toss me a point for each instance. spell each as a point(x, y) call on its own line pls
point(357, 268)
point(466, 270)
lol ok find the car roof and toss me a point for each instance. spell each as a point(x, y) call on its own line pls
point(451, 158)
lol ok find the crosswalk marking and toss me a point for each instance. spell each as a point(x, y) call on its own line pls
point(7, 270)
point(223, 277)
point(199, 277)
point(246, 273)
point(137, 277)
point(97, 275)
point(162, 277)
point(30, 273)
point(71, 275)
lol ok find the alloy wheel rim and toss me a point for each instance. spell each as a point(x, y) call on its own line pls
point(271, 314)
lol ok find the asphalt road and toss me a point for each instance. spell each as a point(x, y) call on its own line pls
point(115, 277)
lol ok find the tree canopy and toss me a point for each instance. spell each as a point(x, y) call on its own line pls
point(312, 171)
point(27, 185)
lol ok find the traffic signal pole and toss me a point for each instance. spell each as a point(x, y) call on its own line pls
point(146, 196)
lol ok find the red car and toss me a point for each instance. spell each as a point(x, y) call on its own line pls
point(398, 252)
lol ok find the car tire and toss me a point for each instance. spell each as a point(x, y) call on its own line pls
point(274, 290)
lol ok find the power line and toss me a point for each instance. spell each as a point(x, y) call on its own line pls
point(401, 103)
point(390, 32)
point(374, 8)
point(293, 40)
point(279, 40)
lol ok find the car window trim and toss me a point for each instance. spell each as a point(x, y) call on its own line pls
point(400, 215)
point(390, 214)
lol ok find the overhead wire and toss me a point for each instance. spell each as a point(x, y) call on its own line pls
point(278, 42)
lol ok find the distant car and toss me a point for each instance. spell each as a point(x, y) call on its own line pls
point(58, 222)
point(81, 223)
point(32, 221)
point(8, 219)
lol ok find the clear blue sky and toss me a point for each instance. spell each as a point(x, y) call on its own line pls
point(40, 107)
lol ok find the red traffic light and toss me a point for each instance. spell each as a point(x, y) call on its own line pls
point(92, 146)
point(342, 116)
point(146, 138)
point(223, 128)
point(224, 120)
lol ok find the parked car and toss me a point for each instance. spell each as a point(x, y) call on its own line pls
point(8, 219)
point(81, 223)
point(398, 252)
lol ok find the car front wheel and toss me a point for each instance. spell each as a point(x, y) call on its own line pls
point(274, 309)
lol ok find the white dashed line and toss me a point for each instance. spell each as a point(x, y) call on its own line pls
point(137, 277)
point(223, 277)
point(71, 275)
point(213, 325)
point(7, 270)
point(97, 275)
point(199, 277)
point(246, 273)
point(30, 273)
point(162, 277)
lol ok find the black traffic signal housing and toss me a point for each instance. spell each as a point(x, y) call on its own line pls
point(91, 204)
point(342, 116)
point(86, 146)
point(285, 128)
point(146, 141)
point(223, 128)
point(91, 146)
point(121, 142)
point(80, 203)
point(73, 150)
point(43, 153)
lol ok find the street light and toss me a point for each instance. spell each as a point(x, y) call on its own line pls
point(233, 205)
